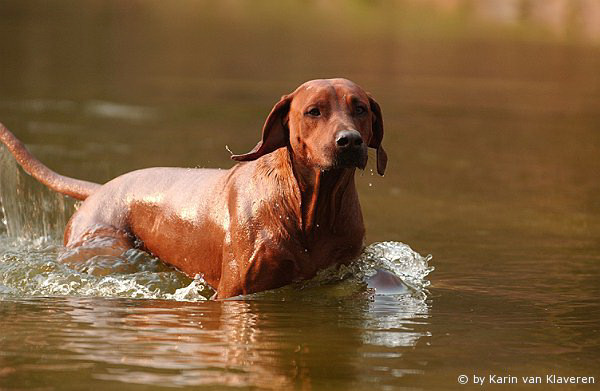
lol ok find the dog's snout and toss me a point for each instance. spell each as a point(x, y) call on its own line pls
point(348, 139)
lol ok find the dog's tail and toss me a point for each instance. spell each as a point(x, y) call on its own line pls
point(75, 188)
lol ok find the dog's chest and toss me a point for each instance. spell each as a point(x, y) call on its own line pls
point(325, 249)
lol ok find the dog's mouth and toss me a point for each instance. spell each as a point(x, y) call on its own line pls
point(351, 158)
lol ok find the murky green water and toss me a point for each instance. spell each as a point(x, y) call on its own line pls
point(492, 118)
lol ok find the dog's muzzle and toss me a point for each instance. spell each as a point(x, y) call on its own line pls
point(351, 151)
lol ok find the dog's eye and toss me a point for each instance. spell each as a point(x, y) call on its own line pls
point(360, 110)
point(314, 112)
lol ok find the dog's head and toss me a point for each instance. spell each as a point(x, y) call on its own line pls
point(327, 124)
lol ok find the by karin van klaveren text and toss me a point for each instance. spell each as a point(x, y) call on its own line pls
point(509, 379)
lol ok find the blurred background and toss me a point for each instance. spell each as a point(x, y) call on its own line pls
point(492, 128)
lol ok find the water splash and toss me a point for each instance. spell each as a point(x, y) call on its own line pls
point(30, 268)
point(28, 209)
point(401, 260)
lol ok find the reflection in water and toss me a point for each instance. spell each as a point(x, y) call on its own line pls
point(272, 345)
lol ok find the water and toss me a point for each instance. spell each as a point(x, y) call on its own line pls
point(491, 115)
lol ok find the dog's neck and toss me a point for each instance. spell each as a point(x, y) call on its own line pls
point(321, 193)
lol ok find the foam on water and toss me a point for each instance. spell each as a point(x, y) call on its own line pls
point(33, 218)
point(31, 268)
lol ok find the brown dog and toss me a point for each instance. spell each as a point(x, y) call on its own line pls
point(289, 210)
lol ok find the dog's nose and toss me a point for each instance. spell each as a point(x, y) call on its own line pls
point(348, 139)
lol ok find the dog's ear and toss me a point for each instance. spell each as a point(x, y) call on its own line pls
point(275, 132)
point(377, 136)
